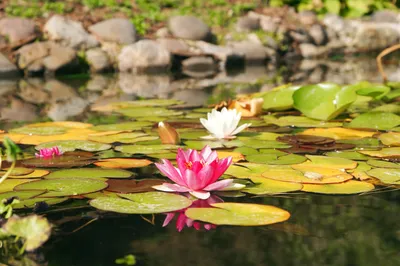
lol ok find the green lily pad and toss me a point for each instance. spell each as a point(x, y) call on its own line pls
point(383, 164)
point(146, 149)
point(10, 184)
point(130, 137)
point(22, 195)
point(71, 145)
point(63, 187)
point(142, 203)
point(373, 90)
point(136, 125)
point(148, 112)
point(362, 142)
point(375, 120)
point(299, 121)
point(97, 173)
point(323, 101)
point(64, 161)
point(392, 95)
point(390, 108)
point(42, 131)
point(18, 171)
point(279, 99)
point(34, 229)
point(246, 150)
point(30, 203)
point(265, 144)
point(390, 138)
point(243, 214)
point(382, 153)
point(349, 187)
point(199, 144)
point(351, 155)
point(386, 175)
point(268, 186)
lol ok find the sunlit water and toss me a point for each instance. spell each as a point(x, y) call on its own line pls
point(322, 230)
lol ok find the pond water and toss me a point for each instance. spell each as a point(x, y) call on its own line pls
point(359, 229)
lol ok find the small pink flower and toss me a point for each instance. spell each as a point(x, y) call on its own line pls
point(183, 220)
point(48, 153)
point(197, 173)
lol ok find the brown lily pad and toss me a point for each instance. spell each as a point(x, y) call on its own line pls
point(133, 186)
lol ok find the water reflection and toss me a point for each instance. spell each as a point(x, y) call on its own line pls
point(30, 99)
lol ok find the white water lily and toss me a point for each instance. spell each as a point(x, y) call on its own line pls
point(223, 124)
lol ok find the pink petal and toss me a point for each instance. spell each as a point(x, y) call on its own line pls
point(170, 171)
point(221, 168)
point(219, 185)
point(184, 155)
point(167, 187)
point(200, 194)
point(194, 156)
point(181, 221)
point(168, 218)
point(197, 225)
point(189, 222)
point(208, 227)
point(205, 175)
point(192, 181)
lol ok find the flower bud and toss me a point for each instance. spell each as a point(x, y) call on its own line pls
point(168, 134)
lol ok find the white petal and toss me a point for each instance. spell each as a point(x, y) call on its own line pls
point(242, 127)
point(200, 194)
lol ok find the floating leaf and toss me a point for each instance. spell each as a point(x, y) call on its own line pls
point(236, 156)
point(360, 171)
point(279, 99)
point(133, 186)
point(64, 161)
point(299, 121)
point(323, 101)
point(145, 149)
point(67, 124)
point(265, 144)
point(62, 187)
point(243, 214)
point(373, 90)
point(331, 162)
point(351, 155)
point(18, 171)
point(31, 203)
point(142, 203)
point(131, 126)
point(383, 153)
point(90, 173)
point(21, 195)
point(348, 187)
point(130, 137)
point(390, 108)
point(386, 175)
point(9, 184)
point(383, 164)
point(268, 186)
point(71, 145)
point(33, 228)
point(42, 131)
point(390, 138)
point(123, 163)
point(375, 120)
point(338, 133)
point(35, 174)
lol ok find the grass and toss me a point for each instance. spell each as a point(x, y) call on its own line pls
point(147, 15)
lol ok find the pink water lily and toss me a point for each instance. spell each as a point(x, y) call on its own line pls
point(183, 220)
point(47, 153)
point(197, 173)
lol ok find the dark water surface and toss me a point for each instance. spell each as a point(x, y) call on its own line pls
point(322, 230)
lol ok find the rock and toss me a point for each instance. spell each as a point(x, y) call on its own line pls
point(269, 24)
point(18, 30)
point(376, 36)
point(334, 22)
point(145, 85)
point(144, 56)
point(300, 36)
point(307, 17)
point(112, 50)
point(59, 91)
point(271, 42)
point(318, 34)
point(188, 27)
point(118, 30)
point(245, 24)
point(69, 33)
point(253, 53)
point(31, 91)
point(222, 53)
point(39, 56)
point(98, 60)
point(7, 69)
point(199, 66)
point(385, 16)
point(98, 83)
point(162, 32)
point(308, 50)
point(177, 47)
point(60, 111)
point(19, 111)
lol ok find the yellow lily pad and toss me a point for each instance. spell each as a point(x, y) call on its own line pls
point(9, 184)
point(382, 153)
point(123, 163)
point(67, 124)
point(390, 138)
point(18, 171)
point(268, 186)
point(330, 162)
point(386, 175)
point(35, 174)
point(236, 156)
point(242, 214)
point(361, 171)
point(338, 133)
point(349, 187)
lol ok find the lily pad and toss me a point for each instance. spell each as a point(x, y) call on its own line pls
point(31, 203)
point(338, 133)
point(383, 153)
point(268, 186)
point(34, 229)
point(133, 186)
point(279, 99)
point(136, 125)
point(63, 187)
point(383, 164)
point(35, 174)
point(18, 171)
point(64, 161)
point(142, 203)
point(21, 195)
point(390, 138)
point(349, 187)
point(386, 175)
point(9, 184)
point(145, 149)
point(351, 155)
point(375, 120)
point(242, 214)
point(123, 163)
point(130, 137)
point(299, 121)
point(90, 173)
point(42, 131)
point(71, 145)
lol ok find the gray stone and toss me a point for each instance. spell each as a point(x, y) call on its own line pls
point(385, 16)
point(253, 53)
point(32, 92)
point(334, 22)
point(307, 17)
point(162, 32)
point(192, 98)
point(177, 47)
point(245, 24)
point(188, 27)
point(7, 86)
point(18, 30)
point(222, 53)
point(145, 85)
point(60, 111)
point(7, 69)
point(300, 37)
point(59, 57)
point(30, 53)
point(271, 42)
point(376, 36)
point(59, 91)
point(199, 66)
point(19, 111)
point(98, 60)
point(144, 56)
point(119, 30)
point(308, 50)
point(318, 34)
point(269, 24)
point(69, 33)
